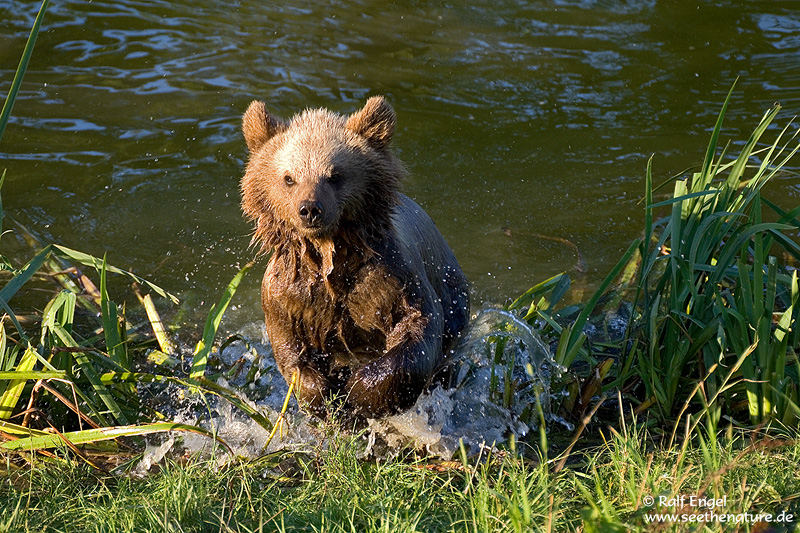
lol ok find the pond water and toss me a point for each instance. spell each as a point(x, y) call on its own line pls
point(526, 126)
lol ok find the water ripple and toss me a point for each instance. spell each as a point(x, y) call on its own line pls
point(535, 115)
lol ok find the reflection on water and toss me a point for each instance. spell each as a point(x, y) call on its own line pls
point(517, 120)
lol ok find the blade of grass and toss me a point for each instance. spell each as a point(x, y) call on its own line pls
point(14, 388)
point(155, 322)
point(525, 298)
point(24, 275)
point(712, 192)
point(92, 261)
point(108, 311)
point(576, 330)
point(90, 436)
point(203, 348)
point(648, 210)
point(32, 374)
point(5, 114)
point(18, 430)
point(708, 161)
point(2, 212)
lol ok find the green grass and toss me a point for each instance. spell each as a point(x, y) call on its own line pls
point(332, 490)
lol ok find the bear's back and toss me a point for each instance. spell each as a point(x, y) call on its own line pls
point(423, 247)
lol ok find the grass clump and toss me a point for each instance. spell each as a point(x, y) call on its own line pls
point(710, 293)
point(710, 310)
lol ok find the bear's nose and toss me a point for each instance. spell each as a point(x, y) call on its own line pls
point(310, 213)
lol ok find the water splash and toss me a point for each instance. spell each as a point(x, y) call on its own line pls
point(499, 385)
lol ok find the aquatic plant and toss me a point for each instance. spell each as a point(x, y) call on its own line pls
point(711, 314)
point(716, 314)
point(78, 369)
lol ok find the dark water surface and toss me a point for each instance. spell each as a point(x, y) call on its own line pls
point(524, 125)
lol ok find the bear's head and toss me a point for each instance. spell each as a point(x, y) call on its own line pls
point(319, 175)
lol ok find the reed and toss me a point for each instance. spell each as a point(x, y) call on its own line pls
point(704, 293)
point(710, 293)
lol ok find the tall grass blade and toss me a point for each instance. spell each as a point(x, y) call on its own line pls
point(708, 161)
point(648, 210)
point(90, 436)
point(529, 296)
point(156, 323)
point(14, 387)
point(17, 430)
point(2, 211)
point(203, 348)
point(19, 374)
point(24, 275)
point(111, 328)
point(3, 341)
point(5, 114)
point(697, 194)
point(576, 336)
point(13, 317)
point(92, 261)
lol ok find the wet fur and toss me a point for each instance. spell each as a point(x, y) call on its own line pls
point(366, 306)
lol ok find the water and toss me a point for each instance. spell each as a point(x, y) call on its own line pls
point(526, 126)
point(517, 120)
point(473, 411)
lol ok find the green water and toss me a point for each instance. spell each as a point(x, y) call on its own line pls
point(526, 127)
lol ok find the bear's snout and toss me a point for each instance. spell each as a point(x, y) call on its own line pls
point(311, 213)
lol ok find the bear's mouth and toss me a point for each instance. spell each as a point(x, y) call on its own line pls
point(316, 230)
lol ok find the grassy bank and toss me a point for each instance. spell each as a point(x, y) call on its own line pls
point(604, 490)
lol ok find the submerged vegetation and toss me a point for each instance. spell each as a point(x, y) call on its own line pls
point(681, 377)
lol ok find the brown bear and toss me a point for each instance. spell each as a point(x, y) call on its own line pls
point(362, 295)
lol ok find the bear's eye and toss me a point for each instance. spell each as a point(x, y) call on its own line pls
point(288, 180)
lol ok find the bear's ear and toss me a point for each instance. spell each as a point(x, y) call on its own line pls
point(375, 122)
point(259, 126)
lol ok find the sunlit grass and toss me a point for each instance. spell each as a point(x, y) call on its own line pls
point(333, 490)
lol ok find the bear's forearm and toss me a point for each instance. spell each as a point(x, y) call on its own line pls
point(387, 385)
point(312, 388)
